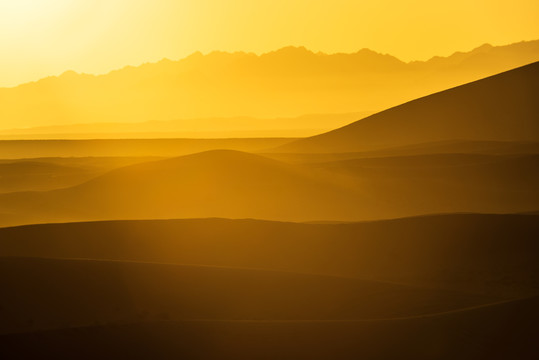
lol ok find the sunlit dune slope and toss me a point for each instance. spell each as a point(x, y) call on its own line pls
point(470, 335)
point(16, 149)
point(233, 184)
point(479, 253)
point(503, 107)
point(216, 183)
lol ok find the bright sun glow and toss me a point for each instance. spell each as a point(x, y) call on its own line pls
point(24, 12)
point(39, 38)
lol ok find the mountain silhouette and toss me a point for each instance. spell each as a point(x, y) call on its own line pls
point(502, 107)
point(284, 83)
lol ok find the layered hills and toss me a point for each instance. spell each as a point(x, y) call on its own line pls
point(290, 290)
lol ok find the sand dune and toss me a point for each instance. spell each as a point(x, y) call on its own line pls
point(210, 184)
point(446, 182)
point(234, 184)
point(39, 175)
point(469, 335)
point(494, 254)
point(499, 108)
point(440, 147)
point(44, 174)
point(16, 149)
point(47, 294)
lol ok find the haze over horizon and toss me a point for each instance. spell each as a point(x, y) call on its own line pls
point(310, 180)
point(198, 53)
point(203, 93)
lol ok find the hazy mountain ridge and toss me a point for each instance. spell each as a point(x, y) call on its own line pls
point(277, 84)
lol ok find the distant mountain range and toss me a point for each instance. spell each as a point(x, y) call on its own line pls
point(285, 83)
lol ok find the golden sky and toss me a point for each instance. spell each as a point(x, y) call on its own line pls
point(47, 37)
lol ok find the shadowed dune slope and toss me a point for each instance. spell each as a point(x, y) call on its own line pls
point(498, 332)
point(495, 254)
point(502, 107)
point(430, 148)
point(48, 294)
point(429, 176)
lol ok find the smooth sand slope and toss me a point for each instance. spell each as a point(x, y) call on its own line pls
point(234, 184)
point(435, 183)
point(220, 183)
point(497, 332)
point(489, 254)
point(429, 148)
point(502, 107)
point(43, 294)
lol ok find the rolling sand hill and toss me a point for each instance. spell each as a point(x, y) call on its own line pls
point(234, 184)
point(44, 174)
point(41, 294)
point(128, 307)
point(497, 332)
point(494, 254)
point(39, 175)
point(16, 149)
point(440, 147)
point(219, 183)
point(445, 182)
point(503, 107)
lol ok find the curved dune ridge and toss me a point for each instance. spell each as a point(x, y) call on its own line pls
point(502, 107)
point(221, 183)
point(471, 334)
point(38, 294)
point(248, 269)
point(455, 250)
point(233, 184)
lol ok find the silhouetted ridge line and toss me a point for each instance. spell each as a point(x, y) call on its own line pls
point(502, 107)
